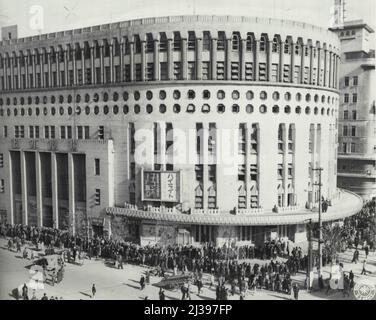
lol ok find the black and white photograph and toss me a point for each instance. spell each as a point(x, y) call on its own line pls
point(188, 150)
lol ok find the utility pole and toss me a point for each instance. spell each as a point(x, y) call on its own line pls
point(320, 222)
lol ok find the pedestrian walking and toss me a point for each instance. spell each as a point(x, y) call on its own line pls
point(296, 291)
point(142, 282)
point(161, 294)
point(364, 271)
point(93, 291)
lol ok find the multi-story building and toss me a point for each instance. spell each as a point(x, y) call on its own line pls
point(181, 129)
point(357, 112)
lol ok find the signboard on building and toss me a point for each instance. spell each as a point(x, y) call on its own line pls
point(161, 186)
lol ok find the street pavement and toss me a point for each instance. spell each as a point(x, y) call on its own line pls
point(114, 284)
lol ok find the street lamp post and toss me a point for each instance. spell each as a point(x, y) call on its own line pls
point(320, 222)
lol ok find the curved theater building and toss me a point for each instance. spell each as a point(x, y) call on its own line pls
point(182, 129)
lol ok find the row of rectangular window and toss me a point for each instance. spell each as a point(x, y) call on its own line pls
point(355, 81)
point(346, 98)
point(82, 132)
point(164, 74)
point(346, 130)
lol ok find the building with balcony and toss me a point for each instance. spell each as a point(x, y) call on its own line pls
point(357, 111)
point(183, 129)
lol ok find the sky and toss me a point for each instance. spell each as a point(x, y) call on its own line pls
point(45, 16)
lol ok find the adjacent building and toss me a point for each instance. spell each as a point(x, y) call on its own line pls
point(357, 111)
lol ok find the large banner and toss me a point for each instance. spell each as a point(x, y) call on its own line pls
point(161, 186)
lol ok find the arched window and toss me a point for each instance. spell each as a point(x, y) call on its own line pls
point(149, 108)
point(205, 108)
point(235, 41)
point(249, 95)
point(287, 109)
point(275, 109)
point(275, 46)
point(263, 43)
point(191, 41)
point(249, 108)
point(249, 43)
point(176, 108)
point(162, 108)
point(221, 95)
point(221, 108)
point(206, 41)
point(287, 47)
point(163, 42)
point(149, 43)
point(235, 108)
point(191, 108)
point(177, 41)
point(276, 95)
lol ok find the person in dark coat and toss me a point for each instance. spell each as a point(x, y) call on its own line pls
point(93, 290)
point(296, 291)
point(142, 283)
point(161, 294)
point(25, 291)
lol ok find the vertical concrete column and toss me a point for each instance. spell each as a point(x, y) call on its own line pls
point(205, 161)
point(74, 67)
point(34, 70)
point(42, 69)
point(184, 63)
point(112, 62)
point(302, 67)
point(131, 60)
point(319, 82)
point(311, 58)
point(285, 163)
point(92, 62)
point(83, 65)
point(269, 59)
point(198, 59)
point(5, 63)
point(49, 68)
point(24, 189)
point(256, 60)
point(58, 69)
point(11, 192)
point(292, 62)
point(11, 86)
point(243, 58)
point(122, 60)
point(66, 62)
point(143, 60)
point(214, 59)
point(71, 188)
point(170, 60)
point(156, 60)
point(325, 82)
point(281, 62)
point(267, 165)
point(228, 58)
point(162, 150)
point(330, 69)
point(27, 82)
point(101, 61)
point(55, 196)
point(248, 130)
point(19, 71)
point(38, 174)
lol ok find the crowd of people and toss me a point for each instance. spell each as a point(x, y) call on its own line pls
point(228, 264)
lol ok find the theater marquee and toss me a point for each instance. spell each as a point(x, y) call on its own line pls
point(161, 186)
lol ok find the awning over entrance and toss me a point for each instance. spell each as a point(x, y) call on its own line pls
point(348, 205)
